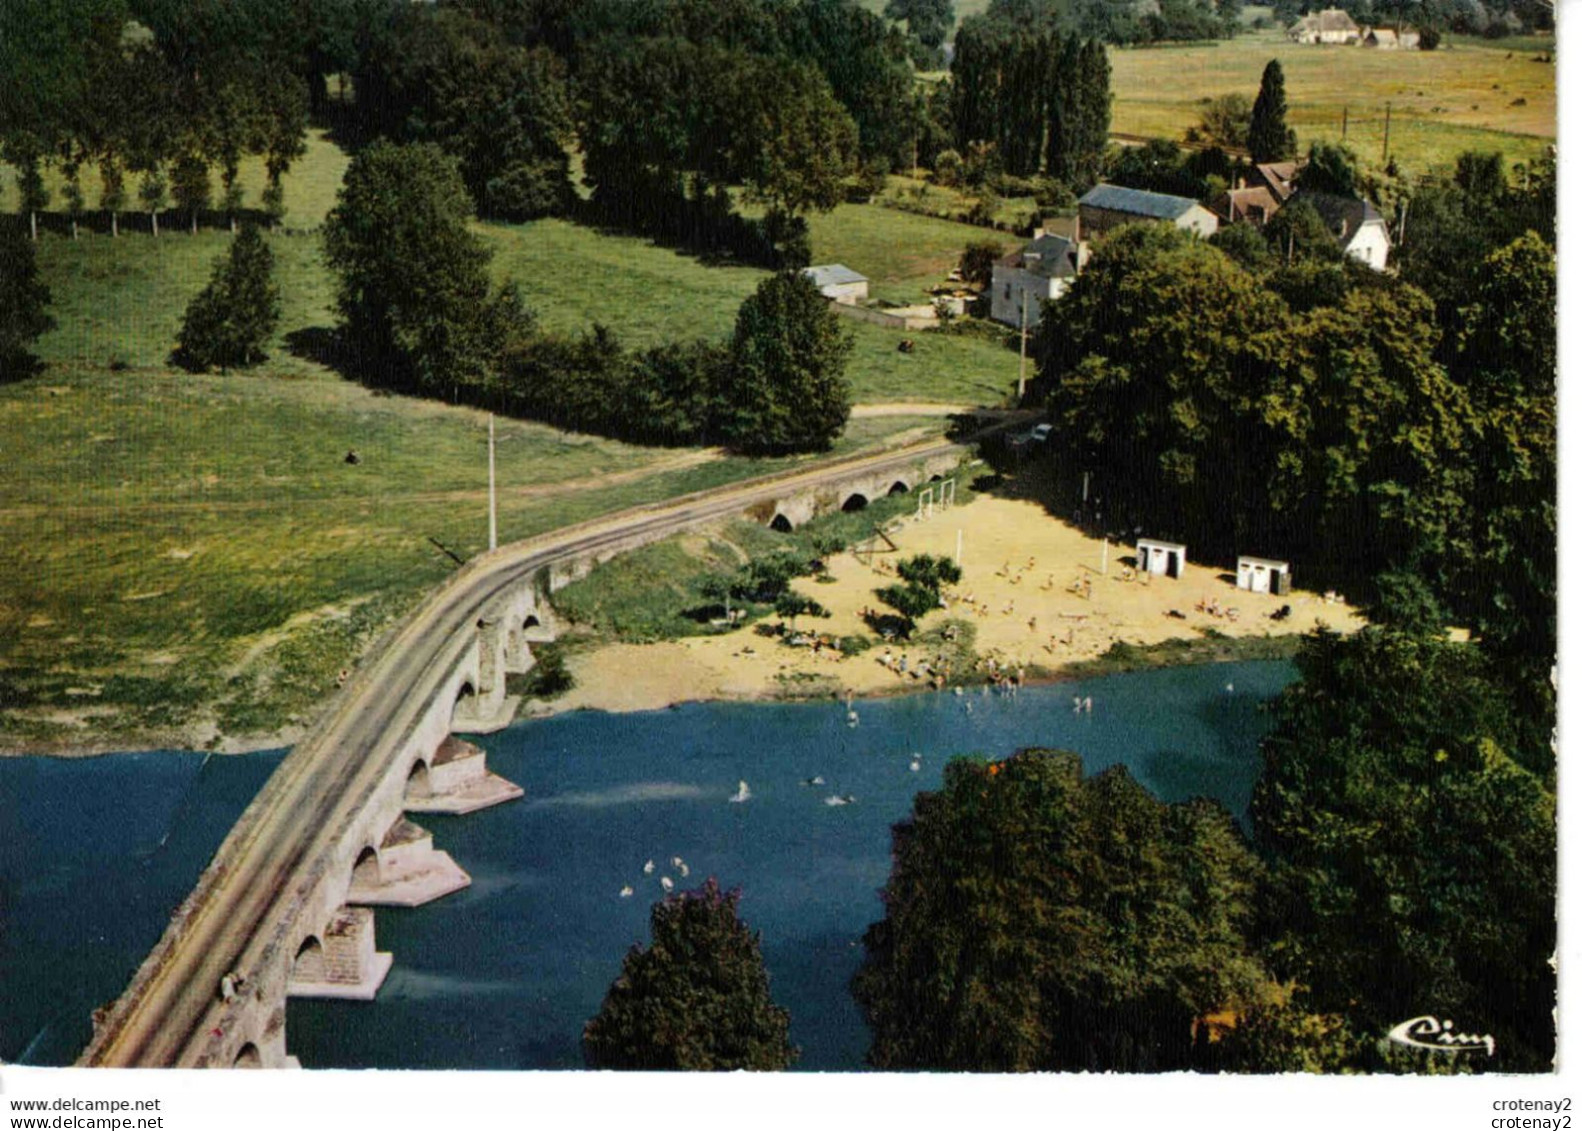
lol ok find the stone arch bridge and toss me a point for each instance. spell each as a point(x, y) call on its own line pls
point(286, 907)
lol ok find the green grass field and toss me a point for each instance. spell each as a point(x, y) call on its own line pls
point(574, 276)
point(191, 558)
point(1473, 94)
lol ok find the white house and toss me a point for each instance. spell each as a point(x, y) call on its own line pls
point(1107, 206)
point(1026, 279)
point(1358, 227)
point(1331, 26)
point(838, 282)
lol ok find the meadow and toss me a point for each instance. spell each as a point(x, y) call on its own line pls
point(1489, 95)
point(191, 558)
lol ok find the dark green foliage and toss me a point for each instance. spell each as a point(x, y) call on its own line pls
point(1268, 137)
point(786, 389)
point(24, 301)
point(414, 293)
point(189, 183)
point(503, 111)
point(1159, 355)
point(1246, 245)
point(1504, 570)
point(928, 22)
point(1404, 798)
point(1224, 122)
point(923, 575)
point(228, 322)
point(696, 998)
point(1298, 232)
point(1039, 920)
point(1331, 168)
point(977, 262)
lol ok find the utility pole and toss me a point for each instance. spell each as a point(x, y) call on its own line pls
point(1385, 160)
point(494, 539)
point(1344, 115)
point(1021, 373)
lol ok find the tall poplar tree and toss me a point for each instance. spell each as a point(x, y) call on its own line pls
point(1268, 137)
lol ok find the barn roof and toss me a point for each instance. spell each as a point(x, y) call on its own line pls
point(1048, 256)
point(1156, 205)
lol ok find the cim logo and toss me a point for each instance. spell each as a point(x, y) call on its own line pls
point(1430, 1033)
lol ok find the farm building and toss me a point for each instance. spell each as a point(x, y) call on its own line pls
point(1038, 272)
point(1108, 206)
point(1331, 26)
point(1358, 227)
point(1389, 39)
point(839, 282)
point(1279, 177)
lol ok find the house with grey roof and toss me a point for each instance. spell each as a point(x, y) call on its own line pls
point(1108, 206)
point(1037, 273)
point(1357, 226)
point(838, 282)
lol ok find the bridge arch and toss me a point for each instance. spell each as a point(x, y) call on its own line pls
point(899, 487)
point(365, 872)
point(309, 963)
point(466, 694)
point(781, 523)
point(417, 781)
point(248, 1057)
point(856, 501)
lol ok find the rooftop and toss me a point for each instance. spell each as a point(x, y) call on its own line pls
point(833, 275)
point(1051, 257)
point(1157, 205)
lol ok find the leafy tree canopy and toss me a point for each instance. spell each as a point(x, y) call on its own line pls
point(1039, 920)
point(697, 997)
point(1405, 798)
point(228, 322)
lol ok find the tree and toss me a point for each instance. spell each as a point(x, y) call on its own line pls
point(1407, 802)
point(977, 262)
point(228, 322)
point(1330, 168)
point(928, 22)
point(1155, 358)
point(785, 389)
point(190, 185)
point(1224, 122)
point(1268, 137)
point(696, 998)
point(24, 302)
point(112, 191)
point(153, 192)
point(413, 291)
point(1504, 569)
point(1038, 920)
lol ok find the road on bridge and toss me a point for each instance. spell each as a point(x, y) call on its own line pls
point(242, 912)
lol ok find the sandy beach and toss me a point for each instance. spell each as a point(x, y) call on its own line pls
point(1038, 590)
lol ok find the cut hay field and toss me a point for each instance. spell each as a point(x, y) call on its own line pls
point(1471, 94)
point(190, 559)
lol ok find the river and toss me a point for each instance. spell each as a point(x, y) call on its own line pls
point(95, 853)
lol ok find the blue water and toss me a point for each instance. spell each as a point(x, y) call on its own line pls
point(505, 973)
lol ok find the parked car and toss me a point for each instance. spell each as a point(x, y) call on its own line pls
point(1040, 433)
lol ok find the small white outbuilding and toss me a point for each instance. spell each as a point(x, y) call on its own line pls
point(1263, 575)
point(838, 282)
point(1168, 558)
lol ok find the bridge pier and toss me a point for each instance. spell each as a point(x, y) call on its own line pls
point(457, 781)
point(406, 871)
point(344, 964)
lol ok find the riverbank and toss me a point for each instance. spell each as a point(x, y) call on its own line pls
point(1042, 597)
